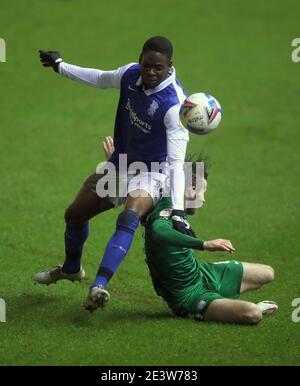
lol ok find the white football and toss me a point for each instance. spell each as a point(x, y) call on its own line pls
point(200, 113)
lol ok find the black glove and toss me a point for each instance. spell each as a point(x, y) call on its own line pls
point(50, 59)
point(180, 223)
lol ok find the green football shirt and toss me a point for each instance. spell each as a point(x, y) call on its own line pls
point(174, 270)
point(187, 285)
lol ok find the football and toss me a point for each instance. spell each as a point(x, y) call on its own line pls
point(200, 113)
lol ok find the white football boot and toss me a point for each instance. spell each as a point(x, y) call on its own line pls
point(53, 275)
point(267, 307)
point(97, 297)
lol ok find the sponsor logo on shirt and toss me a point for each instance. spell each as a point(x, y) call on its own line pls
point(135, 120)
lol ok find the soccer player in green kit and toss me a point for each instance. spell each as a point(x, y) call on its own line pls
point(209, 291)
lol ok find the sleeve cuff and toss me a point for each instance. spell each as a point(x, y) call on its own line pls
point(201, 246)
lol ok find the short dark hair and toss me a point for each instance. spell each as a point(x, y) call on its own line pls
point(198, 157)
point(159, 44)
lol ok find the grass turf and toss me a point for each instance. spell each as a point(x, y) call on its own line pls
point(51, 129)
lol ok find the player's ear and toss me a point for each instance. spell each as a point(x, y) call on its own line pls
point(170, 64)
point(140, 58)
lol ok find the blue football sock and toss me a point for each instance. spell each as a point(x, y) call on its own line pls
point(117, 247)
point(75, 236)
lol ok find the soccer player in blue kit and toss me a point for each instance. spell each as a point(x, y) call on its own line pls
point(147, 129)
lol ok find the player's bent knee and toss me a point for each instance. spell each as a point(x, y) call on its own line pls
point(252, 314)
point(140, 205)
point(270, 274)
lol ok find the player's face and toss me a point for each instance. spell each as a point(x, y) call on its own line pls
point(191, 194)
point(154, 68)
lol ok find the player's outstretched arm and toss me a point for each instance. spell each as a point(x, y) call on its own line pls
point(163, 233)
point(90, 76)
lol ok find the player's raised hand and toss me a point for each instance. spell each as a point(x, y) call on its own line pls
point(50, 59)
point(219, 245)
point(108, 147)
point(180, 223)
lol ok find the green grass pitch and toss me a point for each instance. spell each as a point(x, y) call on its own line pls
point(51, 129)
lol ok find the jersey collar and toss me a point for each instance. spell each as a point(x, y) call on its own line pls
point(171, 78)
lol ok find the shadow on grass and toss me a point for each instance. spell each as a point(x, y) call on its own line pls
point(109, 317)
point(25, 306)
point(30, 301)
point(67, 309)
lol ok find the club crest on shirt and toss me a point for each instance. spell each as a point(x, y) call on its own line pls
point(152, 108)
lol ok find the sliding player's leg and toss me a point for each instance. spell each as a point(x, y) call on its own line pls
point(233, 311)
point(229, 278)
point(238, 311)
point(255, 275)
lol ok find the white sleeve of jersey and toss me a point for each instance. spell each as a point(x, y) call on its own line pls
point(177, 139)
point(93, 77)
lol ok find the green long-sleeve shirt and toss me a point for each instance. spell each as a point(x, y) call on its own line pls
point(174, 270)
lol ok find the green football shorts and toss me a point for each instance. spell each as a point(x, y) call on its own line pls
point(219, 281)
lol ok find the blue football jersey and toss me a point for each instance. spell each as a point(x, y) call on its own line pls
point(140, 131)
point(147, 127)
